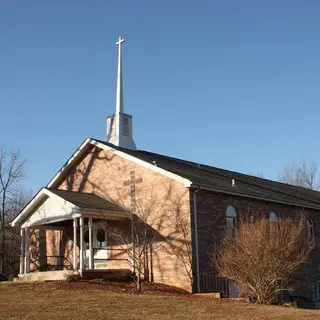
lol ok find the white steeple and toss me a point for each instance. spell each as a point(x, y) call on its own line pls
point(119, 125)
point(119, 102)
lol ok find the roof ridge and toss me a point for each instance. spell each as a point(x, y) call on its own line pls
point(202, 167)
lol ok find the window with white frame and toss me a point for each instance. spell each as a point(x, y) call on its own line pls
point(231, 222)
point(311, 231)
point(273, 217)
point(101, 238)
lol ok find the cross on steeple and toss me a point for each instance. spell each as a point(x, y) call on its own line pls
point(120, 40)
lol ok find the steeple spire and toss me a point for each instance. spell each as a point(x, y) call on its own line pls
point(119, 102)
point(119, 125)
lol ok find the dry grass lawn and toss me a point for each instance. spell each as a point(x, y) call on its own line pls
point(64, 301)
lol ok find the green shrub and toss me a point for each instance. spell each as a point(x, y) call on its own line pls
point(11, 277)
point(72, 276)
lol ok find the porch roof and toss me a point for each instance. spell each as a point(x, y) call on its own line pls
point(87, 200)
point(54, 205)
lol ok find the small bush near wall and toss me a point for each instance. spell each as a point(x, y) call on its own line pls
point(72, 276)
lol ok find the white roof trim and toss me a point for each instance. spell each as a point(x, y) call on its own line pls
point(107, 214)
point(42, 194)
point(143, 163)
point(39, 196)
point(187, 183)
point(71, 159)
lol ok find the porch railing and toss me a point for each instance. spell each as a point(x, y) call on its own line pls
point(211, 282)
point(51, 263)
point(114, 255)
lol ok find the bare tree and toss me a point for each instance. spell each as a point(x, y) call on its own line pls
point(156, 225)
point(264, 255)
point(137, 241)
point(302, 175)
point(159, 212)
point(11, 198)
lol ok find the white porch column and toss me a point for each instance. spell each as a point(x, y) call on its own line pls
point(81, 219)
point(91, 262)
point(26, 250)
point(75, 223)
point(21, 269)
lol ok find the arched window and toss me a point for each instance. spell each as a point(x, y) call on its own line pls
point(311, 231)
point(273, 217)
point(101, 237)
point(232, 222)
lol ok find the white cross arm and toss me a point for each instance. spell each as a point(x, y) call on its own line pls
point(120, 41)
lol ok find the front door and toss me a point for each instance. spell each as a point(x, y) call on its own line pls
point(100, 252)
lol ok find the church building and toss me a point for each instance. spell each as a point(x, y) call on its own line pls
point(113, 210)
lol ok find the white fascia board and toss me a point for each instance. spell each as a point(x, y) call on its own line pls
point(187, 183)
point(66, 166)
point(100, 214)
point(103, 214)
point(39, 224)
point(38, 197)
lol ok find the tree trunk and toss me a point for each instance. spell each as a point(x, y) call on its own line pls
point(2, 231)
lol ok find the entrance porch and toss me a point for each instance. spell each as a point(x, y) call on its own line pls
point(64, 232)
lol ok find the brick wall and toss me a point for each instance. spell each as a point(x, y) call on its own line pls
point(169, 205)
point(211, 216)
point(164, 201)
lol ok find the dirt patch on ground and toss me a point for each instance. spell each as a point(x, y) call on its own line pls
point(147, 288)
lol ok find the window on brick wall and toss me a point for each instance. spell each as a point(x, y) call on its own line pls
point(316, 290)
point(273, 217)
point(231, 222)
point(311, 232)
point(101, 238)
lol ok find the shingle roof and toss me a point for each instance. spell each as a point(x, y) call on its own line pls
point(87, 200)
point(221, 179)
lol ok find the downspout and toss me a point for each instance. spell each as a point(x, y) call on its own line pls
point(195, 217)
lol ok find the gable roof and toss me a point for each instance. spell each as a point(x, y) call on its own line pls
point(200, 176)
point(220, 180)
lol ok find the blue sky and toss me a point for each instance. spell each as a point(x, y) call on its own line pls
point(234, 84)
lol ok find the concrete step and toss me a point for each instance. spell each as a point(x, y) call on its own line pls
point(107, 274)
point(43, 276)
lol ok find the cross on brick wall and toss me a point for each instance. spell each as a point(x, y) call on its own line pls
point(132, 183)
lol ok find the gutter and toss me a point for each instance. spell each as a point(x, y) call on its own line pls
point(195, 216)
